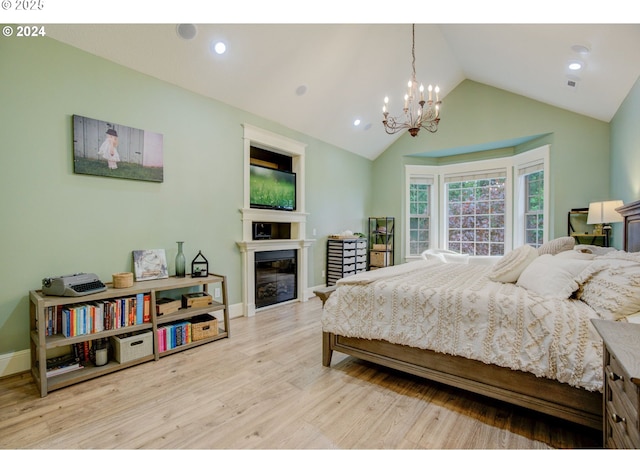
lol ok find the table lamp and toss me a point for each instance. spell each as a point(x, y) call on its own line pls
point(604, 214)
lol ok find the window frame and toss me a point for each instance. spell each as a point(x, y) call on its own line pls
point(427, 172)
point(514, 195)
point(478, 169)
point(463, 179)
point(522, 161)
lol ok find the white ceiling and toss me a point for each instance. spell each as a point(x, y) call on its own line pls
point(348, 69)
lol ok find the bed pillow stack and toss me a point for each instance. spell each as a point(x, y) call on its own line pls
point(511, 265)
point(556, 246)
point(606, 279)
point(554, 277)
point(613, 290)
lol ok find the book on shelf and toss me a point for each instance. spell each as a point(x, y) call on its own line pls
point(162, 339)
point(146, 314)
point(63, 363)
point(139, 308)
point(174, 335)
point(63, 369)
point(94, 317)
point(62, 360)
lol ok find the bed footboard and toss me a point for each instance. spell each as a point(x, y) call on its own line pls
point(519, 388)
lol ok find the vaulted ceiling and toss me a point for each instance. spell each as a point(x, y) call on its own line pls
point(319, 78)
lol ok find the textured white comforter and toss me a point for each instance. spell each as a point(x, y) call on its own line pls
point(456, 309)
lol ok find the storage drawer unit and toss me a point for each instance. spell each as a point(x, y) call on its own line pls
point(345, 257)
point(621, 365)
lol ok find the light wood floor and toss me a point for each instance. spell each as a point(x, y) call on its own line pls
point(265, 387)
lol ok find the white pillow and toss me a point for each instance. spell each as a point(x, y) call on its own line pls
point(556, 246)
point(550, 276)
point(511, 265)
point(614, 292)
point(460, 258)
point(446, 256)
point(433, 255)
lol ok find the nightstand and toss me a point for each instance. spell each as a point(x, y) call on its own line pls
point(621, 364)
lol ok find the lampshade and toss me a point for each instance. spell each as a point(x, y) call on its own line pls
point(604, 212)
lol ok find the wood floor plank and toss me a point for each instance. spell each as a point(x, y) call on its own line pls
point(265, 387)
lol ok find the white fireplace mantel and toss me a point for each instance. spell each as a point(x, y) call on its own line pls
point(249, 249)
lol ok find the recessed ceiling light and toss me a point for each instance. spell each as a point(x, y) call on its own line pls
point(581, 49)
point(575, 65)
point(356, 122)
point(301, 90)
point(219, 47)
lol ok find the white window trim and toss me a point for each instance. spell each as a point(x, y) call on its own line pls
point(416, 171)
point(514, 229)
point(521, 161)
point(491, 165)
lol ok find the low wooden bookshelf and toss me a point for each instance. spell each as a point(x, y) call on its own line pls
point(44, 342)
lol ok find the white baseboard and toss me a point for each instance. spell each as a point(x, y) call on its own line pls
point(16, 362)
point(235, 310)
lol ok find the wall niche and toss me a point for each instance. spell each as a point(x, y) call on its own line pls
point(273, 160)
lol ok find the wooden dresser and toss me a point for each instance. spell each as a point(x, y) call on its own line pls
point(621, 427)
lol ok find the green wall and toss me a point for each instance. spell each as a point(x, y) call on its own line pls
point(55, 222)
point(625, 153)
point(625, 148)
point(475, 114)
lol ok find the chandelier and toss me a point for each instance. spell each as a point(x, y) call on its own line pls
point(417, 113)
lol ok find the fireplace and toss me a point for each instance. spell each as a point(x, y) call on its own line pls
point(284, 275)
point(276, 277)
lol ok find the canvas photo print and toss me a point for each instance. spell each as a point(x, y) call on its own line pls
point(150, 264)
point(111, 150)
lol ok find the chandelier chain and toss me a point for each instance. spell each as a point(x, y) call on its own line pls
point(413, 51)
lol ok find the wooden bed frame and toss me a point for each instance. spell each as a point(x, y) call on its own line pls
point(512, 386)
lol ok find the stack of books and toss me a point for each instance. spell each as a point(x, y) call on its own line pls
point(62, 364)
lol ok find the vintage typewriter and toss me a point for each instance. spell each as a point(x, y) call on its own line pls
point(73, 285)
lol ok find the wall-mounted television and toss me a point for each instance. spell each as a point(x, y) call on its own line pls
point(272, 188)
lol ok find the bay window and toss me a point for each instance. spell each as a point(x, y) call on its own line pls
point(487, 207)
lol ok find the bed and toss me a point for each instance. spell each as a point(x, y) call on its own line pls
point(547, 358)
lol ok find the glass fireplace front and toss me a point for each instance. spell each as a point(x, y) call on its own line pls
point(276, 277)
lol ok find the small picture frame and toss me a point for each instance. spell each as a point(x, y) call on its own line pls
point(150, 264)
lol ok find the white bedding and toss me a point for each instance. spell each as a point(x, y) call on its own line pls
point(456, 309)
